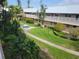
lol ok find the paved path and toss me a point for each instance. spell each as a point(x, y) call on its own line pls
point(51, 44)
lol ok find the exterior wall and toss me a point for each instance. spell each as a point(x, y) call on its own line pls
point(31, 16)
point(61, 18)
point(49, 24)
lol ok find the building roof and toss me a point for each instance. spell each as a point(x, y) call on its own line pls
point(67, 9)
point(34, 10)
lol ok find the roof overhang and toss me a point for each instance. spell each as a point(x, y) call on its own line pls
point(66, 9)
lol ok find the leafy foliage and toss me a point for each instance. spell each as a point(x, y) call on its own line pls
point(59, 26)
point(15, 43)
point(41, 14)
point(74, 32)
point(76, 46)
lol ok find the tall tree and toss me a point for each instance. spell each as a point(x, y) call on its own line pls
point(42, 14)
point(28, 2)
point(19, 3)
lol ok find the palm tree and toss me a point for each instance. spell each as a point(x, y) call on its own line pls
point(19, 3)
point(41, 2)
point(42, 14)
point(28, 2)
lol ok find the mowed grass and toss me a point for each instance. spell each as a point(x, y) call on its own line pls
point(54, 52)
point(47, 34)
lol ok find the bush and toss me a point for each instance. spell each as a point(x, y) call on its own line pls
point(28, 20)
point(59, 26)
point(9, 38)
point(74, 33)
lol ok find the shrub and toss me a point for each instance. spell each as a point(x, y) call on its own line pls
point(9, 37)
point(28, 20)
point(59, 26)
point(74, 32)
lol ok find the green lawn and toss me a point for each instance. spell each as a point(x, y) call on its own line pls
point(60, 33)
point(54, 52)
point(48, 34)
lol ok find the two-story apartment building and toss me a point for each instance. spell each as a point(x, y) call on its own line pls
point(66, 14)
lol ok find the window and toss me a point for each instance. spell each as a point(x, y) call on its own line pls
point(52, 14)
point(48, 14)
point(66, 15)
point(56, 14)
point(77, 16)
